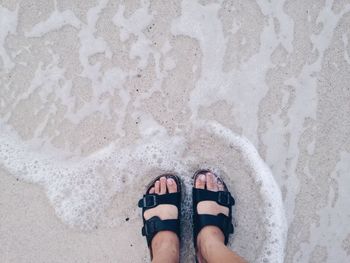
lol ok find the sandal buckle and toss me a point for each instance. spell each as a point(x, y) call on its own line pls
point(224, 198)
point(149, 201)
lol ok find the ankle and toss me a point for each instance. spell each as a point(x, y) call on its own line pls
point(208, 238)
point(165, 241)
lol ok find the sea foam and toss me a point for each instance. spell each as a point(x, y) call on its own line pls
point(82, 188)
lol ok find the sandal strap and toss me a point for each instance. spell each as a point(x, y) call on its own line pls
point(154, 225)
point(223, 198)
point(152, 200)
point(221, 221)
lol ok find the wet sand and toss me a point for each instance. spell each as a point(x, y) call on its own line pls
point(96, 98)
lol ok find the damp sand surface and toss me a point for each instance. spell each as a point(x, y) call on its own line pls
point(99, 97)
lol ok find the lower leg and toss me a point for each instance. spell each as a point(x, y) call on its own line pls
point(165, 247)
point(210, 243)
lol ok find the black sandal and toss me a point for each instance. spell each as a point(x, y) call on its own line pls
point(223, 198)
point(154, 225)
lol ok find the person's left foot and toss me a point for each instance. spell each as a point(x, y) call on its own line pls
point(207, 180)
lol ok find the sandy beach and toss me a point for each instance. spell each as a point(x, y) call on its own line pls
point(99, 97)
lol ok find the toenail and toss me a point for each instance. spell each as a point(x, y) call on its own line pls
point(202, 177)
point(170, 181)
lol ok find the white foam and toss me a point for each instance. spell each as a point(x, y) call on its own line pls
point(8, 25)
point(327, 231)
point(80, 189)
point(270, 191)
point(305, 104)
point(56, 21)
point(236, 86)
point(80, 192)
point(102, 81)
point(135, 24)
point(77, 188)
point(346, 48)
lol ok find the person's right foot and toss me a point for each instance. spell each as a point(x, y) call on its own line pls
point(209, 181)
point(165, 211)
point(163, 239)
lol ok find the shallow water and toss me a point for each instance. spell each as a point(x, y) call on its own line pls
point(97, 97)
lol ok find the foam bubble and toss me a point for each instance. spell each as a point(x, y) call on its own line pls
point(8, 22)
point(273, 206)
point(81, 190)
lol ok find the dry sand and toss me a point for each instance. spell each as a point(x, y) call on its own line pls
point(98, 97)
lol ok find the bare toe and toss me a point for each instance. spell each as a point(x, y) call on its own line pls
point(200, 181)
point(172, 187)
point(212, 182)
point(162, 185)
point(220, 185)
point(157, 187)
point(151, 191)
